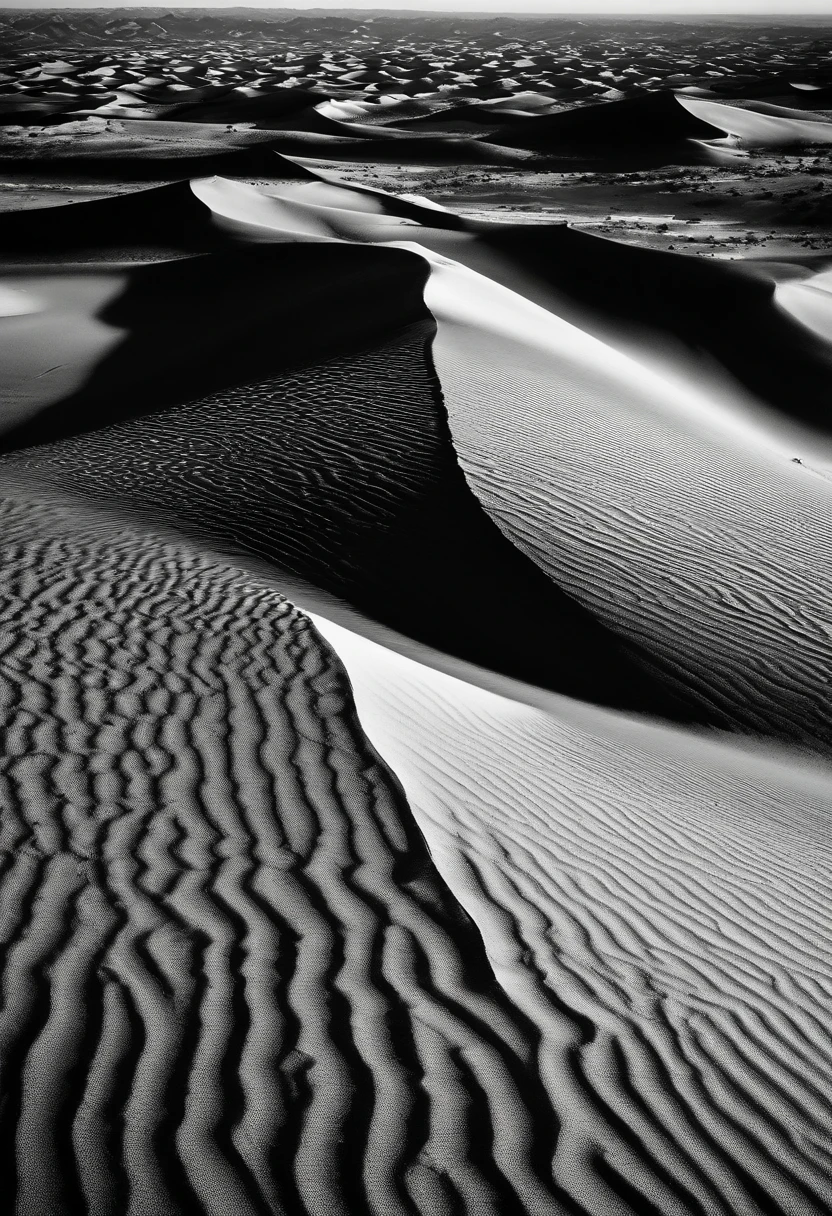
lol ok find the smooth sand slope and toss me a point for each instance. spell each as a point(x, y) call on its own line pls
point(809, 301)
point(661, 303)
point(658, 906)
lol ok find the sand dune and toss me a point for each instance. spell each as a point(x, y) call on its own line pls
point(231, 107)
point(128, 148)
point(22, 109)
point(490, 112)
point(652, 118)
point(526, 390)
point(345, 110)
point(758, 129)
point(646, 1010)
point(162, 217)
point(306, 503)
point(536, 410)
point(430, 888)
point(138, 159)
point(318, 212)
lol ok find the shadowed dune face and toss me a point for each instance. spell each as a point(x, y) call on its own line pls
point(237, 316)
point(167, 218)
point(656, 118)
point(233, 979)
point(629, 133)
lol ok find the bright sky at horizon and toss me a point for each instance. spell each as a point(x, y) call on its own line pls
point(658, 8)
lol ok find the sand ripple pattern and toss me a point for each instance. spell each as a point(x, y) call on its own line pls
point(710, 553)
point(232, 980)
point(343, 472)
point(659, 907)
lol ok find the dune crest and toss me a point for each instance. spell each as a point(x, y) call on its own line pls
point(531, 402)
point(809, 300)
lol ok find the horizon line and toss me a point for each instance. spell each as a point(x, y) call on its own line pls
point(720, 11)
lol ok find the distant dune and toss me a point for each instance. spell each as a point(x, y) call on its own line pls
point(653, 118)
point(774, 128)
point(132, 159)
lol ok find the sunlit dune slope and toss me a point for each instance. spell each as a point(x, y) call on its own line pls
point(657, 905)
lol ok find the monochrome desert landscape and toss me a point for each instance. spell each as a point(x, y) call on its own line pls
point(416, 634)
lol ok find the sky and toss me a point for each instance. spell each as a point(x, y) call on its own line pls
point(820, 8)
